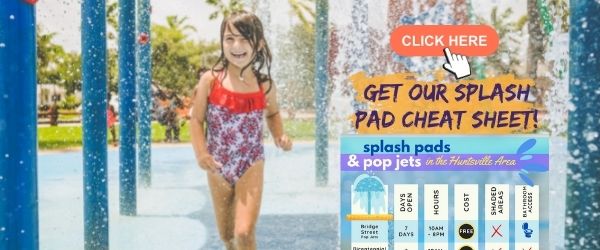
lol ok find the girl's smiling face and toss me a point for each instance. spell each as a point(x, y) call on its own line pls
point(237, 49)
point(243, 46)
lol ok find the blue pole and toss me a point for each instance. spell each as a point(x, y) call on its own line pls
point(94, 88)
point(18, 127)
point(583, 190)
point(144, 93)
point(127, 115)
point(321, 63)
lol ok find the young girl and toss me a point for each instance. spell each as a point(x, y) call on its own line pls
point(233, 98)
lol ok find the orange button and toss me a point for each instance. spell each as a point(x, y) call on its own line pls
point(430, 40)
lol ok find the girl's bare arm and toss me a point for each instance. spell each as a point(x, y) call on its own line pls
point(274, 121)
point(197, 127)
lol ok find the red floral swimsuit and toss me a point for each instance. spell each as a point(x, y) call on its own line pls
point(235, 129)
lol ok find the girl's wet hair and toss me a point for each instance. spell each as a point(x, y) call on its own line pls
point(251, 28)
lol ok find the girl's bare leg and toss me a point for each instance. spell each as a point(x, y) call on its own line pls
point(222, 197)
point(247, 199)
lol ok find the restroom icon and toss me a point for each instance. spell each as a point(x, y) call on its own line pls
point(526, 230)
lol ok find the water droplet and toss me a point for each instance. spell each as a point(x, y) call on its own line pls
point(22, 231)
point(590, 135)
point(2, 45)
point(2, 229)
point(21, 162)
point(6, 155)
point(12, 17)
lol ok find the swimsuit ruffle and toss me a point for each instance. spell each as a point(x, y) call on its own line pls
point(237, 102)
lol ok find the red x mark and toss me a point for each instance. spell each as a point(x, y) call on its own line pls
point(497, 230)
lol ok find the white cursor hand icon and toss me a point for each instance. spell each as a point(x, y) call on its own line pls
point(457, 64)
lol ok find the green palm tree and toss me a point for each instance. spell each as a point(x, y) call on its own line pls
point(176, 28)
point(175, 31)
point(47, 50)
point(178, 24)
point(224, 9)
point(48, 56)
point(304, 11)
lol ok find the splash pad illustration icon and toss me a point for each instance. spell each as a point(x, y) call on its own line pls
point(369, 215)
point(369, 193)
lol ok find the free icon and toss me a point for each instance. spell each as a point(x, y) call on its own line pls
point(466, 231)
